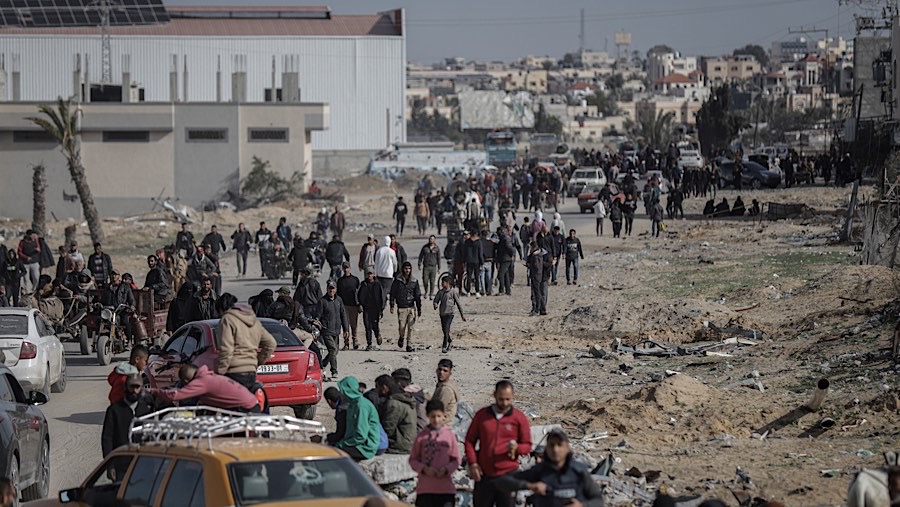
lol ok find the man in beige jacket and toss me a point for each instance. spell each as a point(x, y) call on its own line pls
point(243, 342)
point(446, 390)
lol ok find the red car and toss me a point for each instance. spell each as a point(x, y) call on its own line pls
point(292, 377)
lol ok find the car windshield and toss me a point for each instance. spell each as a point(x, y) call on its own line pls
point(284, 337)
point(297, 480)
point(13, 325)
point(585, 174)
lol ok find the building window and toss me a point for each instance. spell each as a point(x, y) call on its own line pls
point(267, 135)
point(126, 136)
point(32, 136)
point(202, 135)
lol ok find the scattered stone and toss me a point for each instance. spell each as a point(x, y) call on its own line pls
point(598, 351)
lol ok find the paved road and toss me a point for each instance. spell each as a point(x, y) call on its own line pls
point(76, 416)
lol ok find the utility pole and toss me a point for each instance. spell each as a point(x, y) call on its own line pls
point(581, 35)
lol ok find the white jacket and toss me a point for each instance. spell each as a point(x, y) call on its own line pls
point(386, 261)
point(600, 209)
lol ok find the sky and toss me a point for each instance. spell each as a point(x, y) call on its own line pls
point(506, 30)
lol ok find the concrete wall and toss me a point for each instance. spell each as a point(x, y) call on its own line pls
point(340, 163)
point(204, 170)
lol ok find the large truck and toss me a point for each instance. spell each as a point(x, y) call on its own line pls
point(542, 146)
point(501, 148)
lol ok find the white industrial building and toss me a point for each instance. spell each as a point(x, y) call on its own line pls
point(188, 103)
point(354, 63)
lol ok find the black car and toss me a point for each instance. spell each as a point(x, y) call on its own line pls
point(753, 176)
point(24, 438)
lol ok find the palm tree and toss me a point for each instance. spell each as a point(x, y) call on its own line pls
point(655, 127)
point(61, 122)
point(39, 192)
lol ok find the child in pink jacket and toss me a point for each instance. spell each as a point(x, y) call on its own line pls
point(435, 456)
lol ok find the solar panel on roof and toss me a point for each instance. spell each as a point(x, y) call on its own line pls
point(68, 13)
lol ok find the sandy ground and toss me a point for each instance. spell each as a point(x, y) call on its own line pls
point(813, 313)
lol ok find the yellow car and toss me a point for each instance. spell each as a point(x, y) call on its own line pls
point(230, 471)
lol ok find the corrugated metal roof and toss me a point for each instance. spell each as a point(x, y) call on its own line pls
point(381, 24)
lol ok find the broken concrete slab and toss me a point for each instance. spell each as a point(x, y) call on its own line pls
point(388, 468)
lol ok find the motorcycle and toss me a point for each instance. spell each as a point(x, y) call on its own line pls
point(110, 338)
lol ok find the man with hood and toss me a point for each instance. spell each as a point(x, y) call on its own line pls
point(559, 479)
point(336, 254)
point(558, 222)
point(407, 297)
point(308, 294)
point(386, 266)
point(243, 342)
point(537, 225)
point(362, 434)
point(403, 377)
point(397, 415)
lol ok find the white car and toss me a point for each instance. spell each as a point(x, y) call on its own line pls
point(32, 351)
point(584, 177)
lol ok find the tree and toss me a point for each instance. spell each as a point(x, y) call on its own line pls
point(615, 82)
point(606, 103)
point(716, 124)
point(754, 50)
point(39, 201)
point(262, 184)
point(547, 123)
point(654, 127)
point(61, 122)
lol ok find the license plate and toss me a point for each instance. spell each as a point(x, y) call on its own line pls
point(272, 368)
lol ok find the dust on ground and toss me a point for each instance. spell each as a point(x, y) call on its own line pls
point(788, 287)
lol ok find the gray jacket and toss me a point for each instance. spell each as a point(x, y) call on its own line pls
point(445, 300)
point(333, 316)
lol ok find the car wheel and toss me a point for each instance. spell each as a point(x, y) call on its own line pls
point(307, 412)
point(756, 184)
point(41, 488)
point(14, 478)
point(104, 350)
point(60, 385)
point(84, 342)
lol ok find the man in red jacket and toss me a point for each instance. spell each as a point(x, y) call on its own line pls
point(502, 433)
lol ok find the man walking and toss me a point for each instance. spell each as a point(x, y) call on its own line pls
point(447, 390)
point(386, 266)
point(337, 222)
point(429, 264)
point(422, 212)
point(367, 254)
point(474, 258)
point(407, 297)
point(505, 253)
point(240, 243)
point(334, 324)
point(263, 242)
point(215, 242)
point(573, 253)
point(283, 231)
point(447, 298)
point(347, 289)
point(336, 254)
point(599, 215)
point(502, 434)
point(184, 241)
point(308, 294)
point(29, 252)
point(535, 265)
point(370, 297)
point(400, 210)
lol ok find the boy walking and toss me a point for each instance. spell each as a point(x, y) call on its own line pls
point(435, 456)
point(446, 299)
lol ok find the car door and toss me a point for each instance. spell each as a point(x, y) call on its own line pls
point(185, 486)
point(22, 433)
point(102, 488)
point(144, 482)
point(51, 344)
point(206, 353)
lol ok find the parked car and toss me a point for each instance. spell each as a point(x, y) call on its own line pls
point(24, 438)
point(225, 471)
point(585, 176)
point(588, 198)
point(292, 377)
point(32, 350)
point(753, 175)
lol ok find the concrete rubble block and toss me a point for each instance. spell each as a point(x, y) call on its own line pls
point(388, 468)
point(598, 351)
point(538, 432)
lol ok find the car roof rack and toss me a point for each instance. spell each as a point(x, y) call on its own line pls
point(201, 422)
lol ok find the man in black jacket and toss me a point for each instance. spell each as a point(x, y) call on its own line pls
point(370, 297)
point(336, 253)
point(184, 241)
point(157, 281)
point(214, 241)
point(430, 264)
point(241, 240)
point(308, 294)
point(558, 480)
point(407, 297)
point(505, 254)
point(203, 304)
point(100, 265)
point(120, 414)
point(300, 257)
point(334, 324)
point(347, 287)
point(119, 293)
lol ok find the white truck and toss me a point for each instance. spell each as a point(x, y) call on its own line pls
point(690, 157)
